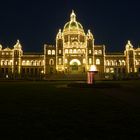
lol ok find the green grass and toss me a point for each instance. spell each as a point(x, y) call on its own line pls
point(41, 110)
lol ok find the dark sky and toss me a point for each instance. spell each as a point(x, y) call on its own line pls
point(35, 22)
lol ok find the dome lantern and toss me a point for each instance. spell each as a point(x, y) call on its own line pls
point(73, 24)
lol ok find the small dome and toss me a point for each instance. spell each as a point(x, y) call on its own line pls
point(0, 47)
point(17, 45)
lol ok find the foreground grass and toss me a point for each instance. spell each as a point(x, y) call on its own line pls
point(44, 110)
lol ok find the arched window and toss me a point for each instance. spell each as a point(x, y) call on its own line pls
point(120, 62)
point(79, 51)
point(11, 62)
point(6, 62)
point(66, 51)
point(95, 51)
point(107, 62)
point(123, 62)
point(115, 62)
point(100, 52)
point(90, 61)
point(107, 70)
point(70, 51)
point(35, 63)
point(59, 61)
point(23, 62)
point(51, 62)
point(40, 63)
point(97, 61)
point(66, 61)
point(60, 52)
point(49, 52)
point(74, 51)
point(83, 51)
point(2, 62)
point(32, 62)
point(111, 62)
point(89, 51)
point(28, 63)
point(84, 61)
point(53, 52)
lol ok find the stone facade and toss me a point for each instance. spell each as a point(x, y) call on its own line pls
point(74, 53)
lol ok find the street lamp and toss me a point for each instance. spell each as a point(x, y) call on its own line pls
point(90, 74)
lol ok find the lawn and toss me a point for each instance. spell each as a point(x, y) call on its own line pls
point(51, 110)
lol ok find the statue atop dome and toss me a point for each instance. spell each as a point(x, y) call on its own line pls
point(73, 16)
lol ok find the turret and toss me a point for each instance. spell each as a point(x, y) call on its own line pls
point(130, 57)
point(0, 47)
point(17, 58)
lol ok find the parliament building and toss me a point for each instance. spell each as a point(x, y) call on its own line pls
point(74, 53)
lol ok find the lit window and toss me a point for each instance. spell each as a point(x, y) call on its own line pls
point(40, 63)
point(107, 62)
point(112, 70)
point(43, 62)
point(66, 50)
point(70, 51)
point(51, 62)
point(95, 51)
point(3, 53)
point(89, 51)
point(27, 63)
point(49, 52)
point(90, 61)
point(120, 62)
point(59, 61)
point(6, 62)
point(111, 62)
point(2, 62)
point(107, 70)
point(66, 61)
point(32, 62)
point(84, 61)
point(23, 62)
point(35, 63)
point(7, 53)
point(60, 51)
point(83, 50)
point(100, 52)
point(53, 52)
point(11, 62)
point(123, 62)
point(74, 51)
point(97, 61)
point(115, 63)
point(79, 51)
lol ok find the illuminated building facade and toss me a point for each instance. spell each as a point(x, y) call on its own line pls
point(74, 53)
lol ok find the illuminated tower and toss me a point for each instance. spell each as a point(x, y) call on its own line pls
point(74, 49)
point(130, 57)
point(59, 52)
point(17, 53)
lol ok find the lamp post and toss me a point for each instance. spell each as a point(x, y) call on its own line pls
point(90, 74)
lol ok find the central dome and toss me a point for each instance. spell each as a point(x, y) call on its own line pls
point(73, 24)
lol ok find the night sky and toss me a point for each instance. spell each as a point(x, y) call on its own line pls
point(35, 22)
